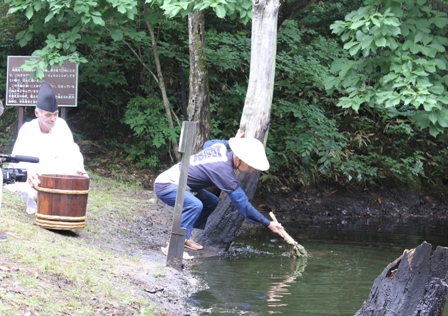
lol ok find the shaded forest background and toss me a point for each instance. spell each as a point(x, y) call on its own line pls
point(122, 127)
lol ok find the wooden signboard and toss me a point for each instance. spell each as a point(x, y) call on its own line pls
point(22, 90)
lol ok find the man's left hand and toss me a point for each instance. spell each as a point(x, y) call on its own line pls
point(33, 180)
point(82, 173)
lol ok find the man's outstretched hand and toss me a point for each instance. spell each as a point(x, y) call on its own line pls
point(276, 227)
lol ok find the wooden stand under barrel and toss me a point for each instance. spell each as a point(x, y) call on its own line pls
point(62, 201)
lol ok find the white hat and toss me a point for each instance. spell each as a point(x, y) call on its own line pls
point(251, 151)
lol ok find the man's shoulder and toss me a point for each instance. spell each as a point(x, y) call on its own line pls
point(61, 121)
point(61, 124)
point(29, 125)
point(216, 142)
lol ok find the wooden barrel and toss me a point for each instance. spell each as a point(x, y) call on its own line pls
point(62, 201)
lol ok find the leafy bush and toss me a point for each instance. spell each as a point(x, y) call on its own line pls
point(396, 56)
point(146, 117)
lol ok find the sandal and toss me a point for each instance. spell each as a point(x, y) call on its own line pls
point(185, 256)
point(190, 244)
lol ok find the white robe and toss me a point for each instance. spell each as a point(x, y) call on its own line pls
point(57, 153)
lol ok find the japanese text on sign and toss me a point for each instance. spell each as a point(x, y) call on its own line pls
point(21, 90)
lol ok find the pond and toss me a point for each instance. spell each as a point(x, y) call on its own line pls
point(258, 277)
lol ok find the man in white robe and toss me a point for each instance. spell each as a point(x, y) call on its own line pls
point(48, 138)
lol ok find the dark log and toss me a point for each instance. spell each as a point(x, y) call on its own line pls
point(414, 284)
point(225, 222)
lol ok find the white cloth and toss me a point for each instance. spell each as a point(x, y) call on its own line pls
point(57, 153)
point(27, 193)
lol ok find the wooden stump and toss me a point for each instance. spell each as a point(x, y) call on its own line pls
point(414, 284)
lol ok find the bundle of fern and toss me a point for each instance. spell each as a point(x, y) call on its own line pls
point(297, 250)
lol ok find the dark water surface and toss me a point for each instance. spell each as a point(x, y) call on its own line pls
point(260, 278)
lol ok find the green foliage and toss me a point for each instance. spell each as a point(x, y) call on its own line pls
point(321, 14)
point(231, 55)
point(8, 126)
point(437, 166)
point(229, 52)
point(49, 18)
point(370, 168)
point(304, 139)
point(105, 85)
point(310, 140)
point(397, 57)
point(104, 33)
point(310, 145)
point(385, 146)
point(146, 118)
point(234, 9)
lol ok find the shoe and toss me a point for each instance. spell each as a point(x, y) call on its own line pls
point(190, 244)
point(3, 237)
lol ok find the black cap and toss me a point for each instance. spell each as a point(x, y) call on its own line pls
point(46, 100)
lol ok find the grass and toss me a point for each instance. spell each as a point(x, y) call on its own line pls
point(43, 272)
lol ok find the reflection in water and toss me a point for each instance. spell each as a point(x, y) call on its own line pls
point(281, 285)
point(260, 278)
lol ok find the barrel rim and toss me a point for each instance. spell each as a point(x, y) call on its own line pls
point(63, 176)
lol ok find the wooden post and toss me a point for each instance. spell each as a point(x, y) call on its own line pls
point(177, 240)
point(20, 117)
point(64, 113)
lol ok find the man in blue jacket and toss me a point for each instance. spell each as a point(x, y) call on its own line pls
point(216, 166)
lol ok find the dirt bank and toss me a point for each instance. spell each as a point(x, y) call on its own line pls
point(338, 203)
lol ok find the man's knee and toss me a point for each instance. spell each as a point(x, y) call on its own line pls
point(193, 205)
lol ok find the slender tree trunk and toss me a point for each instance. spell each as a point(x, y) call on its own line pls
point(257, 107)
point(161, 83)
point(225, 222)
point(199, 103)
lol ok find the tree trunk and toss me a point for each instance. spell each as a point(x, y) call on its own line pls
point(199, 103)
point(161, 82)
point(414, 284)
point(257, 106)
point(225, 222)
